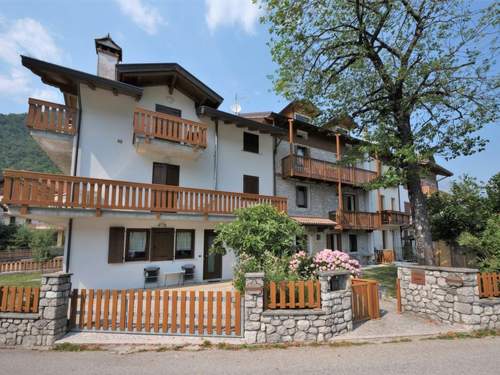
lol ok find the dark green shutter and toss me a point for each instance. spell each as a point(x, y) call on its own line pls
point(116, 244)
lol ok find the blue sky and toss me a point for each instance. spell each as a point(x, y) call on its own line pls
point(219, 41)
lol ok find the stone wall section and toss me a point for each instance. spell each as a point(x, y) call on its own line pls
point(46, 326)
point(448, 295)
point(298, 325)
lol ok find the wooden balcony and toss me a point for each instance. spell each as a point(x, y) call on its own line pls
point(156, 125)
point(30, 189)
point(51, 117)
point(390, 217)
point(356, 219)
point(324, 171)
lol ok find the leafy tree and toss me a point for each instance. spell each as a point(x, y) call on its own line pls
point(486, 245)
point(40, 243)
point(256, 230)
point(493, 192)
point(409, 72)
point(7, 233)
point(464, 208)
point(22, 238)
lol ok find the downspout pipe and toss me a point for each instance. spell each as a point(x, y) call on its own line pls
point(75, 169)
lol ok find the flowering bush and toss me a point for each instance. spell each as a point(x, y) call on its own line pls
point(306, 267)
point(329, 260)
point(302, 265)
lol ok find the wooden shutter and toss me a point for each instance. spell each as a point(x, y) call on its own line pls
point(172, 175)
point(162, 244)
point(250, 184)
point(116, 244)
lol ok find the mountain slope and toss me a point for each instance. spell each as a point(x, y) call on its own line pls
point(18, 150)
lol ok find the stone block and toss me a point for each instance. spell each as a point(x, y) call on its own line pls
point(463, 308)
point(303, 325)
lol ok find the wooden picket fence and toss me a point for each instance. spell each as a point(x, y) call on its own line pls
point(293, 295)
point(365, 299)
point(30, 265)
point(489, 284)
point(18, 299)
point(202, 313)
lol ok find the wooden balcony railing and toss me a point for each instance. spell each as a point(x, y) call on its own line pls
point(293, 165)
point(171, 128)
point(51, 117)
point(390, 217)
point(58, 191)
point(356, 219)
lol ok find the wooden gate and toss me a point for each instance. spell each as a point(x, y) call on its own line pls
point(167, 312)
point(365, 300)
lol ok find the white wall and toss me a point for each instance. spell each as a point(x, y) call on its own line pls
point(89, 254)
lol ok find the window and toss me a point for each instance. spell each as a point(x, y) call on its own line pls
point(393, 204)
point(353, 243)
point(12, 220)
point(250, 184)
point(137, 247)
point(166, 174)
point(250, 142)
point(301, 196)
point(301, 117)
point(302, 151)
point(168, 110)
point(184, 244)
point(350, 202)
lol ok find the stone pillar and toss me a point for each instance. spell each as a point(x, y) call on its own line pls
point(254, 307)
point(336, 302)
point(53, 307)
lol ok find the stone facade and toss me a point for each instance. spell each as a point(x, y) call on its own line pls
point(298, 325)
point(44, 327)
point(448, 295)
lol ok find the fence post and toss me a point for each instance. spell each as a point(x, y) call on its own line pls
point(53, 306)
point(254, 307)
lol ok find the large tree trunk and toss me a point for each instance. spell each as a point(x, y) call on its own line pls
point(423, 236)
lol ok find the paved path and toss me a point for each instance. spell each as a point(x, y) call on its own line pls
point(454, 357)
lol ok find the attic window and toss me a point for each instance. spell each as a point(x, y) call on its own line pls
point(301, 134)
point(301, 117)
point(168, 110)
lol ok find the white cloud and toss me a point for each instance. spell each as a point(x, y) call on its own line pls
point(232, 12)
point(29, 37)
point(143, 15)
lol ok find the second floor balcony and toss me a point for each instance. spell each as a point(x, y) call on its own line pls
point(324, 171)
point(356, 219)
point(42, 190)
point(152, 129)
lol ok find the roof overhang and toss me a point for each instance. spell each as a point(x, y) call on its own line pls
point(240, 122)
point(314, 221)
point(437, 169)
point(68, 80)
point(171, 74)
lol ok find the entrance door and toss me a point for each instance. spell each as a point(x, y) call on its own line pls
point(212, 263)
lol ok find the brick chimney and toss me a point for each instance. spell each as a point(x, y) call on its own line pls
point(108, 55)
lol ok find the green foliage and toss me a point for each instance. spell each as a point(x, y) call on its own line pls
point(258, 229)
point(263, 239)
point(465, 208)
point(41, 243)
point(22, 238)
point(18, 150)
point(486, 244)
point(493, 193)
point(7, 233)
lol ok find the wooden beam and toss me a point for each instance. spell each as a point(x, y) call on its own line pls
point(290, 134)
point(172, 84)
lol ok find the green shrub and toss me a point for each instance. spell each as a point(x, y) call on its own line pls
point(41, 243)
point(22, 237)
point(7, 233)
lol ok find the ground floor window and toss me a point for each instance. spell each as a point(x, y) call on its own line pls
point(137, 244)
point(353, 243)
point(184, 244)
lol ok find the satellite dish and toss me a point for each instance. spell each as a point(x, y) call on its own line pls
point(236, 108)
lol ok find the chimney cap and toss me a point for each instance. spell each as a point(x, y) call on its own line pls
point(108, 44)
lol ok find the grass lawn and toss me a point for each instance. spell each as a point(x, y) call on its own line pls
point(21, 279)
point(385, 275)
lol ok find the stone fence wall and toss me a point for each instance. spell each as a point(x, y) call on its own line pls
point(287, 325)
point(44, 327)
point(448, 295)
